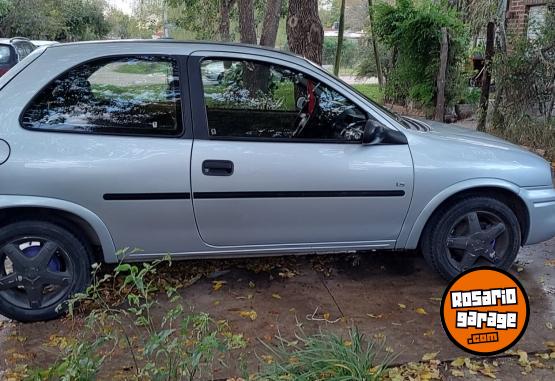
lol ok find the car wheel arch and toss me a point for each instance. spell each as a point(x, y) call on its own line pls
point(497, 189)
point(75, 218)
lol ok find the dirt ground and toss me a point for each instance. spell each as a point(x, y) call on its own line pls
point(381, 293)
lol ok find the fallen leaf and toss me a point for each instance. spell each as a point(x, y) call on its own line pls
point(550, 263)
point(457, 373)
point(458, 362)
point(375, 316)
point(267, 359)
point(327, 315)
point(421, 311)
point(402, 306)
point(429, 333)
point(348, 343)
point(276, 296)
point(251, 284)
point(429, 356)
point(217, 284)
point(248, 314)
point(549, 325)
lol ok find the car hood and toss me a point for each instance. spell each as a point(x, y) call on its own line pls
point(439, 145)
point(467, 135)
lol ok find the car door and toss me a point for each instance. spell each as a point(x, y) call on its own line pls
point(278, 159)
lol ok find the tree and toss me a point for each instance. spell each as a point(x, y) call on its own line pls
point(375, 48)
point(305, 33)
point(67, 20)
point(271, 23)
point(247, 27)
point(224, 19)
point(339, 38)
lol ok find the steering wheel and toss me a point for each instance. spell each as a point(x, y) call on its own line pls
point(307, 110)
point(355, 129)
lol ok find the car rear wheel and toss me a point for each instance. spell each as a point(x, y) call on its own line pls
point(473, 232)
point(41, 266)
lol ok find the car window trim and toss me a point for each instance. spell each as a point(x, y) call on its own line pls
point(185, 128)
point(195, 72)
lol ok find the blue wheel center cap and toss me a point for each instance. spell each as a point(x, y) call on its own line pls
point(32, 251)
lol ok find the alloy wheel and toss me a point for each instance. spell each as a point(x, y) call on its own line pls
point(35, 272)
point(477, 238)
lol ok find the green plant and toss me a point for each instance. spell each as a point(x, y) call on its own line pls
point(524, 107)
point(412, 30)
point(175, 346)
point(325, 357)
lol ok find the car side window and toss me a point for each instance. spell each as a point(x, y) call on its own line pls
point(252, 99)
point(131, 95)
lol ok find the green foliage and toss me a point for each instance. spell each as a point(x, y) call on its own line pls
point(350, 53)
point(525, 80)
point(63, 20)
point(413, 32)
point(326, 357)
point(176, 346)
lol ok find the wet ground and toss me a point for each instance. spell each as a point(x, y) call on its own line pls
point(386, 295)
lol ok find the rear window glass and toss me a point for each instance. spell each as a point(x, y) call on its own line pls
point(5, 54)
point(126, 95)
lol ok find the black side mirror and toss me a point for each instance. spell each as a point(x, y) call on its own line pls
point(374, 133)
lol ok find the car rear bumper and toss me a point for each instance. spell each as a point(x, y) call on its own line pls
point(541, 207)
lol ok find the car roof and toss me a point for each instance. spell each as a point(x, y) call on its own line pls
point(200, 45)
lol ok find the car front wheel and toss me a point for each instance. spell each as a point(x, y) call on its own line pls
point(41, 266)
point(473, 232)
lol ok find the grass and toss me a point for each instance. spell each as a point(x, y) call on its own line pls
point(372, 91)
point(144, 67)
point(328, 357)
point(153, 92)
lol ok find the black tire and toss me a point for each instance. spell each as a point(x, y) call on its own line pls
point(450, 245)
point(44, 252)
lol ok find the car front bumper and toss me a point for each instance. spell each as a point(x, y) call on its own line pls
point(541, 207)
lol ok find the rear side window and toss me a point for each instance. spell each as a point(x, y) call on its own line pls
point(131, 95)
point(5, 54)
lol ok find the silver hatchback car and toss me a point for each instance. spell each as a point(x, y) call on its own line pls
point(141, 144)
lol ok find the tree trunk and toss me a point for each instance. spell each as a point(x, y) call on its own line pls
point(375, 44)
point(305, 33)
point(442, 75)
point(271, 23)
point(225, 8)
point(340, 39)
point(247, 27)
point(486, 79)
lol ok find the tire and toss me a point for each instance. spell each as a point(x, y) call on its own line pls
point(453, 242)
point(41, 266)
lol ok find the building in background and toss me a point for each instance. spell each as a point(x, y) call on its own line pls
point(526, 17)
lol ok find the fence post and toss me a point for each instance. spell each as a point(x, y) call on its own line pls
point(486, 79)
point(442, 75)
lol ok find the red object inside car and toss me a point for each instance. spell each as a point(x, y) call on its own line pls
point(3, 71)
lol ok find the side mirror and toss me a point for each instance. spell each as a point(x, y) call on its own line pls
point(374, 133)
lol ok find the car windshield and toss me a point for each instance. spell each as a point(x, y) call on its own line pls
point(5, 54)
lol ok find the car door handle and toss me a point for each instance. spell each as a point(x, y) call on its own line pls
point(217, 168)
